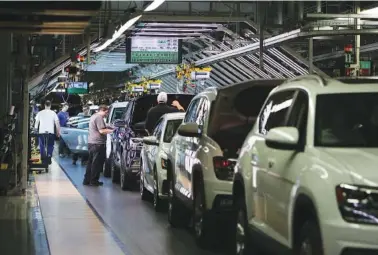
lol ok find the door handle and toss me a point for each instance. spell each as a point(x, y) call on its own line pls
point(270, 163)
point(65, 132)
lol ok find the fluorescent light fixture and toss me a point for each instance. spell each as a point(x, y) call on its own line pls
point(118, 33)
point(154, 5)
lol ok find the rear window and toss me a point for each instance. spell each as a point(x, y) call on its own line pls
point(145, 103)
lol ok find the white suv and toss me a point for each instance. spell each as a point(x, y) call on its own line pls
point(306, 177)
point(200, 160)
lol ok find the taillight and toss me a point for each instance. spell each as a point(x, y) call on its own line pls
point(224, 168)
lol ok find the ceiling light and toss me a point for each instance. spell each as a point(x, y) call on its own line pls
point(118, 33)
point(154, 5)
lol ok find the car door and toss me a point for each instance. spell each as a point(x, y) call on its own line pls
point(75, 135)
point(152, 150)
point(282, 175)
point(265, 165)
point(119, 136)
point(183, 148)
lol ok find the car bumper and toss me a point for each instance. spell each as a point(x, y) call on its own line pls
point(218, 195)
point(342, 238)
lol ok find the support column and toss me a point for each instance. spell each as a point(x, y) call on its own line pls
point(311, 55)
point(279, 5)
point(64, 45)
point(318, 6)
point(88, 47)
point(357, 41)
point(262, 13)
point(25, 111)
point(5, 72)
point(300, 10)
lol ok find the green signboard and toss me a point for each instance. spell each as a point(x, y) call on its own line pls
point(365, 64)
point(153, 50)
point(154, 57)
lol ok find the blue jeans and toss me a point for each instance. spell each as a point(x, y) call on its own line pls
point(46, 145)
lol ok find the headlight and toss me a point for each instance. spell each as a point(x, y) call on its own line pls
point(358, 204)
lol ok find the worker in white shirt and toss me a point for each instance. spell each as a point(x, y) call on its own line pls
point(47, 125)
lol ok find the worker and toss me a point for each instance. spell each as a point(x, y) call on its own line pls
point(63, 119)
point(47, 126)
point(97, 134)
point(159, 110)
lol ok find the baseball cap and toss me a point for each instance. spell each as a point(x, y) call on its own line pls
point(162, 97)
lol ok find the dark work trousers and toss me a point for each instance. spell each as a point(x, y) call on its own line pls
point(46, 147)
point(62, 146)
point(96, 160)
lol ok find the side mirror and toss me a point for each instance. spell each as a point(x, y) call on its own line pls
point(283, 138)
point(189, 130)
point(150, 140)
point(119, 123)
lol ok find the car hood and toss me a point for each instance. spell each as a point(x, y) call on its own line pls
point(361, 164)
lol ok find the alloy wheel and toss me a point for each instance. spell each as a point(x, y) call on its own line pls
point(198, 214)
point(156, 191)
point(170, 197)
point(240, 233)
point(141, 184)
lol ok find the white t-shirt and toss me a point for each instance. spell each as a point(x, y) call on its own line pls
point(46, 120)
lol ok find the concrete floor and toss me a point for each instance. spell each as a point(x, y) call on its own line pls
point(22, 230)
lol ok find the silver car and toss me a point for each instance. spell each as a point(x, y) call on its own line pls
point(153, 177)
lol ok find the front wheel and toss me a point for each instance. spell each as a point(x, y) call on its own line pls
point(143, 191)
point(158, 203)
point(241, 238)
point(309, 240)
point(125, 182)
point(107, 169)
point(201, 218)
point(177, 214)
point(114, 172)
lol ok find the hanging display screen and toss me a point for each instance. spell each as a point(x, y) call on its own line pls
point(78, 88)
point(153, 50)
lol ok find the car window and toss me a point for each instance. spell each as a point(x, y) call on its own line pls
point(83, 123)
point(158, 129)
point(201, 112)
point(299, 113)
point(347, 120)
point(191, 113)
point(170, 130)
point(117, 113)
point(275, 111)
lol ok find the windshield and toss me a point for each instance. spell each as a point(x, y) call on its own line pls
point(170, 130)
point(347, 120)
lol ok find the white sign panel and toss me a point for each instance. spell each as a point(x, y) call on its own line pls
point(152, 44)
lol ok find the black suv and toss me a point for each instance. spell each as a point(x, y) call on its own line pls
point(127, 140)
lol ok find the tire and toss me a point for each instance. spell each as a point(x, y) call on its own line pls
point(143, 191)
point(107, 169)
point(309, 240)
point(124, 178)
point(241, 241)
point(177, 214)
point(114, 172)
point(158, 203)
point(201, 218)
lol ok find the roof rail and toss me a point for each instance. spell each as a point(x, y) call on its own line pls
point(212, 88)
point(321, 80)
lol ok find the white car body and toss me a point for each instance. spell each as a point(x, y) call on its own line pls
point(273, 183)
point(154, 155)
point(111, 118)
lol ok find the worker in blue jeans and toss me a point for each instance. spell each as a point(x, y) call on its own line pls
point(47, 126)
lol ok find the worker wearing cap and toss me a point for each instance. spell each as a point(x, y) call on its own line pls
point(159, 110)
